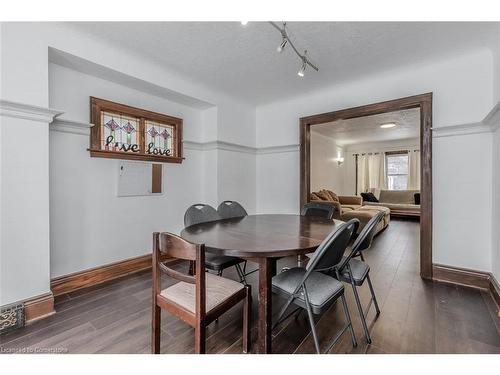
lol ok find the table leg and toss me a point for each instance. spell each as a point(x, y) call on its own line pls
point(267, 268)
point(300, 260)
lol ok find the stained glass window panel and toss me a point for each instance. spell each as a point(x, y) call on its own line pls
point(160, 138)
point(118, 130)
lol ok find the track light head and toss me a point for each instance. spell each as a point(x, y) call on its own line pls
point(281, 47)
point(302, 70)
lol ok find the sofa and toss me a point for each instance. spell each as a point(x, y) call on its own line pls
point(351, 207)
point(400, 202)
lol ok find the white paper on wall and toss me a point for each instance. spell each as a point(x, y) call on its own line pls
point(134, 179)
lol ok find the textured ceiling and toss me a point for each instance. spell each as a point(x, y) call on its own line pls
point(242, 60)
point(367, 129)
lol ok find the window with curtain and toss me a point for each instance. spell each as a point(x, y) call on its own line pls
point(397, 171)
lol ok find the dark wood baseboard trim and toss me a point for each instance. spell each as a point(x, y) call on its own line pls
point(98, 275)
point(461, 276)
point(39, 307)
point(495, 293)
point(469, 278)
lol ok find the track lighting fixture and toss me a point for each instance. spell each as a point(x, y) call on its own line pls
point(285, 39)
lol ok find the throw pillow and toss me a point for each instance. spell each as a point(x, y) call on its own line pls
point(416, 197)
point(369, 197)
point(333, 197)
point(322, 195)
point(314, 197)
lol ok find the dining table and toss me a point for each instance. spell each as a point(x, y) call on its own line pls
point(262, 239)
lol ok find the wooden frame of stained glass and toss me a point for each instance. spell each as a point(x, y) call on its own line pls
point(124, 132)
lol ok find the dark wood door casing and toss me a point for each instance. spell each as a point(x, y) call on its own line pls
point(424, 102)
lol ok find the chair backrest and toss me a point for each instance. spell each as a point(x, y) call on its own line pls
point(229, 209)
point(329, 253)
point(318, 209)
point(200, 213)
point(364, 239)
point(168, 244)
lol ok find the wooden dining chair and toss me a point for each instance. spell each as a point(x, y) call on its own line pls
point(197, 299)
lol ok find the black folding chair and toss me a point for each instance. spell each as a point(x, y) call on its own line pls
point(202, 213)
point(314, 291)
point(355, 271)
point(319, 210)
point(229, 209)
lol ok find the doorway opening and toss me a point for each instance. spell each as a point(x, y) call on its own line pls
point(398, 170)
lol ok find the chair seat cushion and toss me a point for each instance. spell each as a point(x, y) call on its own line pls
point(359, 270)
point(322, 289)
point(218, 289)
point(219, 262)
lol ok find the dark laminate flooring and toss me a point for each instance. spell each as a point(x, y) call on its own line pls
point(417, 316)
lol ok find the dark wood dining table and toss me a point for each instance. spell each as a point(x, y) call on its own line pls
point(262, 239)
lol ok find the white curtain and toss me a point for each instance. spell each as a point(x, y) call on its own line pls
point(414, 170)
point(376, 171)
point(371, 172)
point(363, 176)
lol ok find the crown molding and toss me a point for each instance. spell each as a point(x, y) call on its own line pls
point(70, 126)
point(489, 124)
point(278, 149)
point(463, 129)
point(28, 111)
point(227, 146)
point(218, 145)
point(191, 145)
point(492, 119)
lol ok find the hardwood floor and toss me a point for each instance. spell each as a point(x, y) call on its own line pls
point(417, 316)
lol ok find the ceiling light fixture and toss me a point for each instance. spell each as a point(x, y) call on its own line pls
point(244, 23)
point(285, 39)
point(388, 125)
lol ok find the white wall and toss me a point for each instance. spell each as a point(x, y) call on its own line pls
point(463, 93)
point(496, 170)
point(462, 201)
point(278, 183)
point(325, 171)
point(496, 55)
point(24, 247)
point(495, 259)
point(236, 178)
